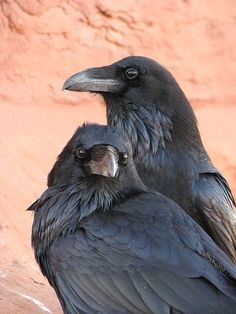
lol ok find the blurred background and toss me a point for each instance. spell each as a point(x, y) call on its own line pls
point(41, 44)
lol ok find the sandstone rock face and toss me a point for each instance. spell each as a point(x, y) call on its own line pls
point(42, 43)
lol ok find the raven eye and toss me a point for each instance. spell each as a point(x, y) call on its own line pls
point(131, 73)
point(124, 159)
point(80, 152)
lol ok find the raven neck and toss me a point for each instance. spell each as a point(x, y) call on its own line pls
point(61, 208)
point(150, 130)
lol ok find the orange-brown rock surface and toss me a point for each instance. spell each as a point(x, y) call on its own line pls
point(41, 44)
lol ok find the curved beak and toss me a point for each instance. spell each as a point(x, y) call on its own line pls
point(104, 161)
point(101, 79)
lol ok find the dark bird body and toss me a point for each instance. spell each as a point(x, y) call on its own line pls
point(107, 244)
point(144, 100)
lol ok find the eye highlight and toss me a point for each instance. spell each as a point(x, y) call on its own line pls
point(80, 152)
point(131, 73)
point(124, 159)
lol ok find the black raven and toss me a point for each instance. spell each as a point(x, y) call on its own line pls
point(109, 245)
point(145, 100)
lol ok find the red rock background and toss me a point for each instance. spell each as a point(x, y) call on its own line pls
point(41, 44)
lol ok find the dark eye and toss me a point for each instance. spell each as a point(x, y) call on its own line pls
point(131, 73)
point(80, 152)
point(124, 159)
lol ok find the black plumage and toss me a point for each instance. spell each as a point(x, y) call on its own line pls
point(107, 244)
point(144, 100)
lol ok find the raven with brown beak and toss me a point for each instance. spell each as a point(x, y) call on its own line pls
point(109, 245)
point(144, 100)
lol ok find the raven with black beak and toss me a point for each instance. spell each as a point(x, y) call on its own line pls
point(144, 100)
point(109, 245)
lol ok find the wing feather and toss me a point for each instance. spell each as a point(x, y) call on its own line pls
point(215, 201)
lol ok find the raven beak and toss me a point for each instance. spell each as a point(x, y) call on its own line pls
point(104, 163)
point(100, 79)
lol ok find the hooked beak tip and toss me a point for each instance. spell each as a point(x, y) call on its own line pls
point(67, 84)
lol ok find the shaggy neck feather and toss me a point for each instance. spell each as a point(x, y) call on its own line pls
point(61, 208)
point(148, 130)
point(65, 206)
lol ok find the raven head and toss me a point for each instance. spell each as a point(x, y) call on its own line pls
point(144, 100)
point(138, 80)
point(96, 166)
point(94, 154)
